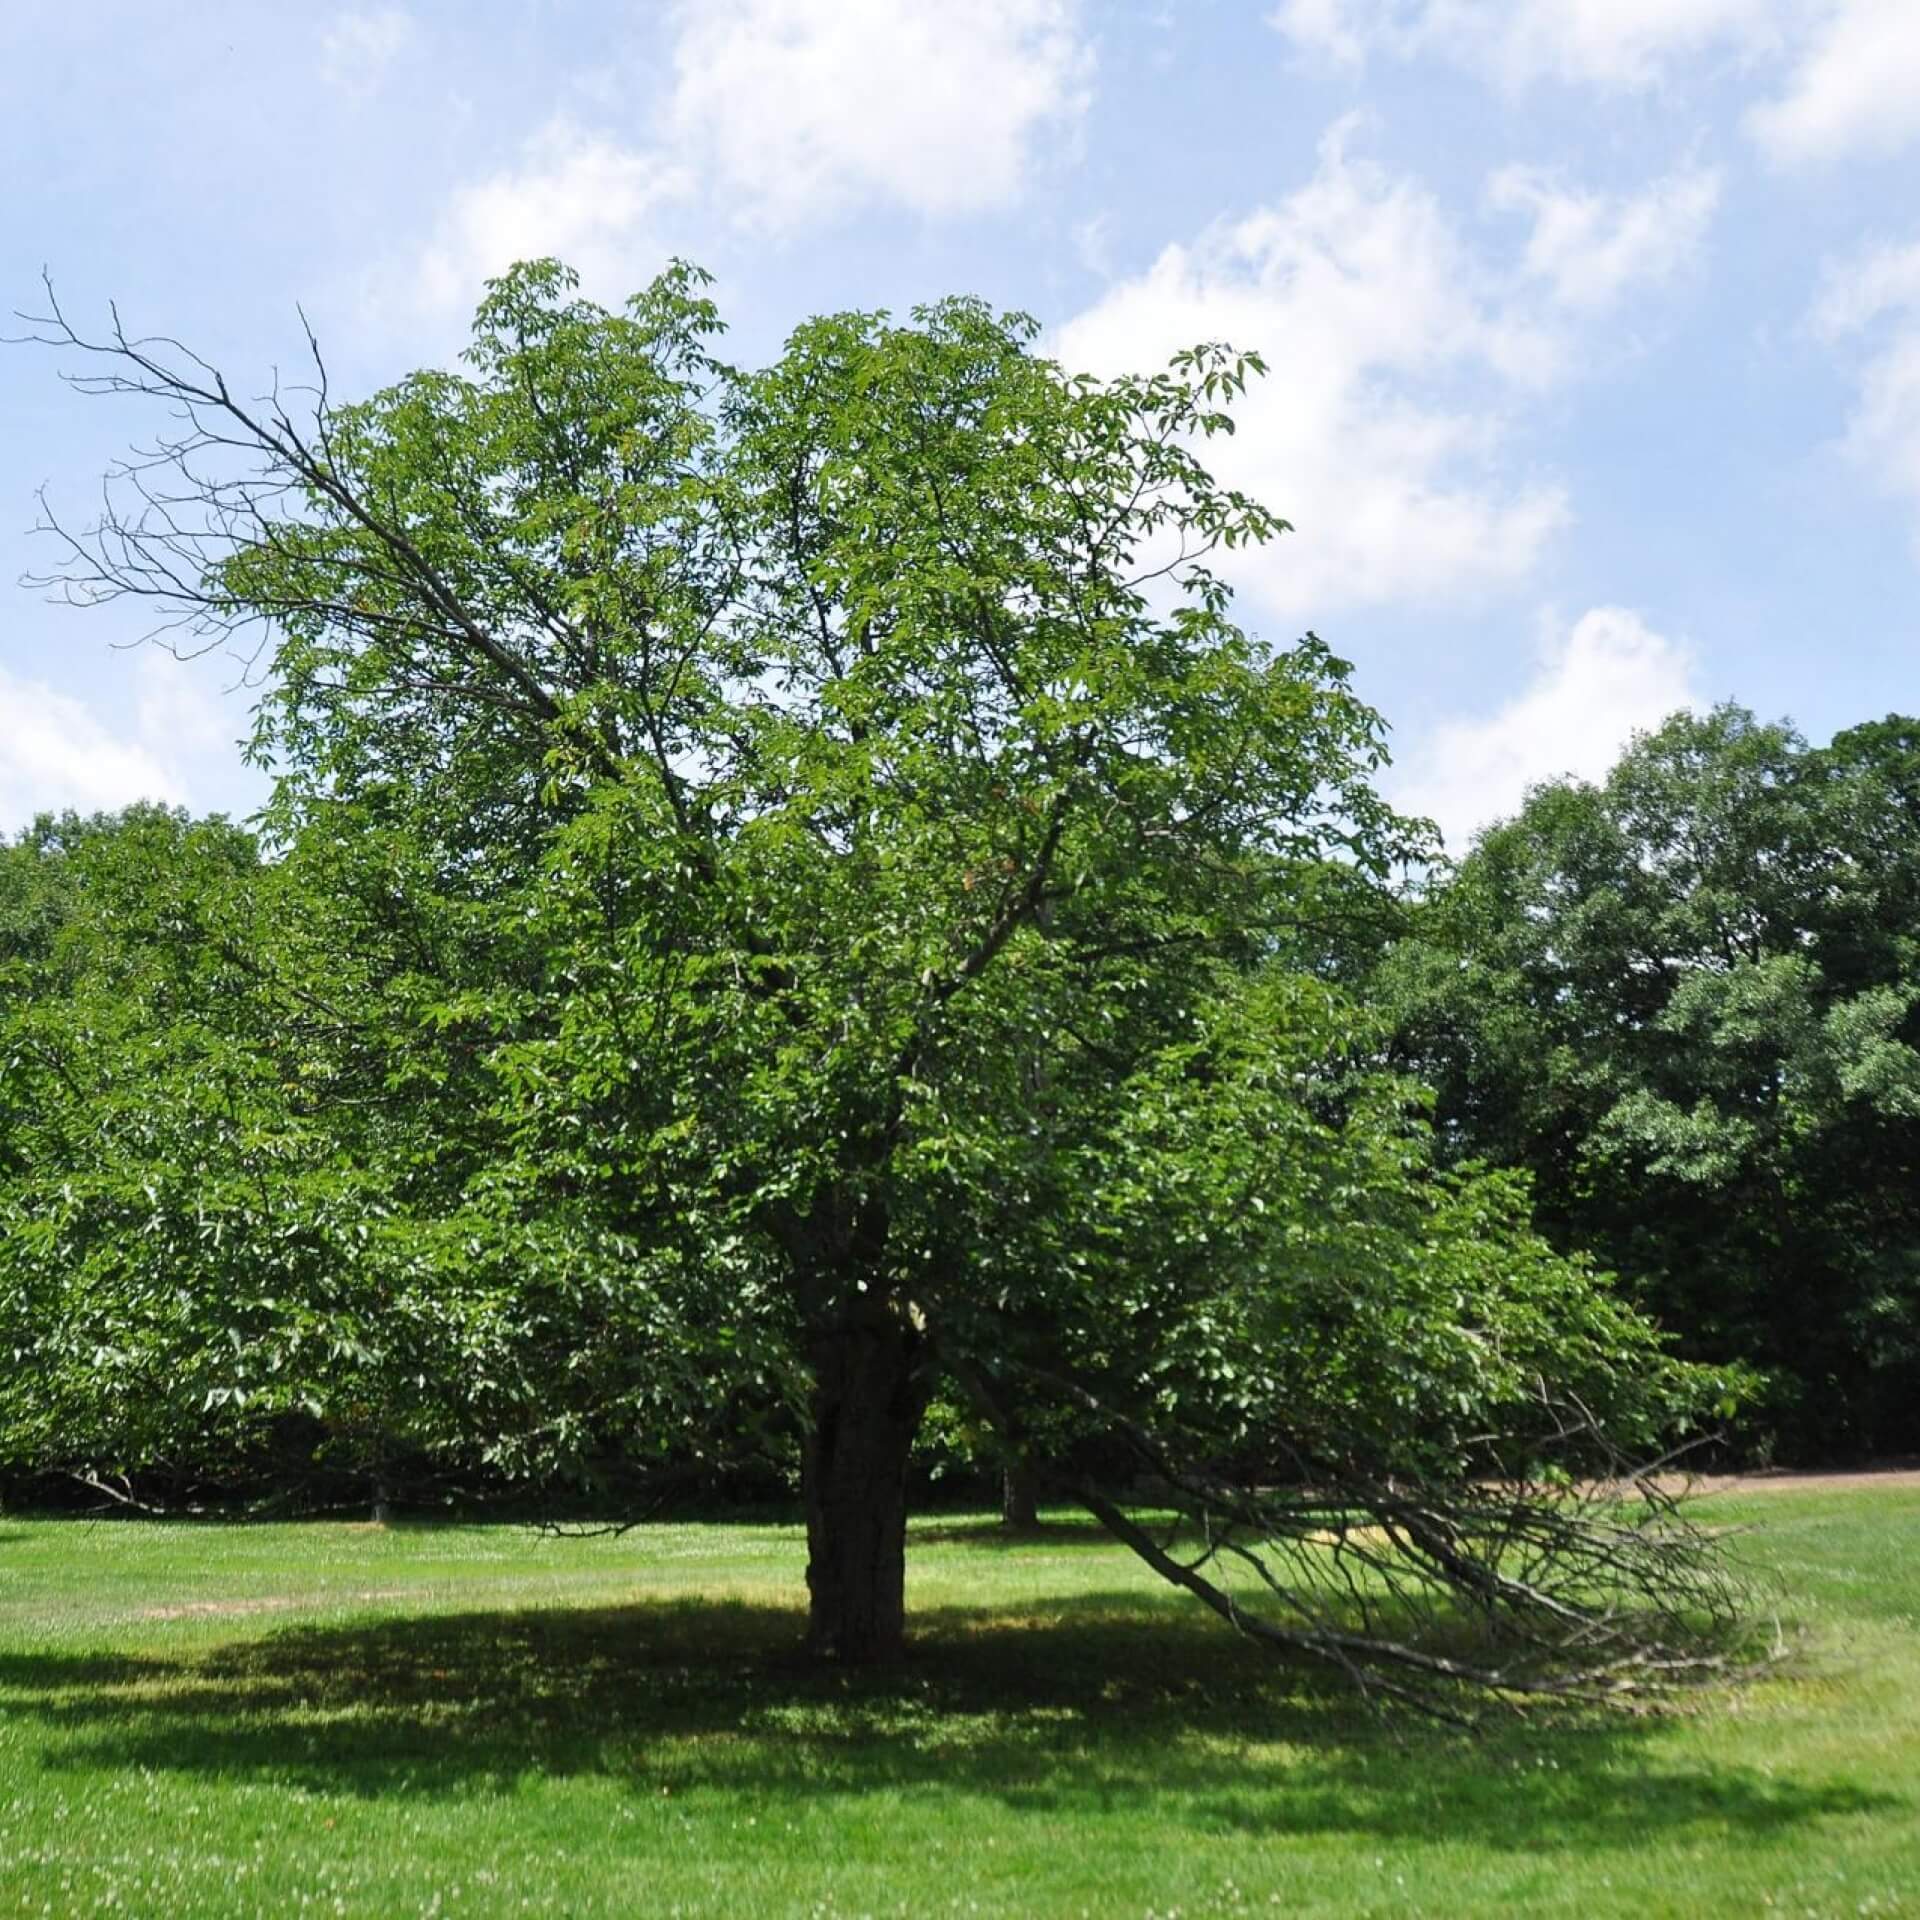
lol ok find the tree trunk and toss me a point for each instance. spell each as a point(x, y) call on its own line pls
point(1020, 1496)
point(868, 1397)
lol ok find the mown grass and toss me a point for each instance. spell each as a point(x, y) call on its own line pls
point(215, 1720)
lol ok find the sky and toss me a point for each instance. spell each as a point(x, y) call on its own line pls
point(1593, 326)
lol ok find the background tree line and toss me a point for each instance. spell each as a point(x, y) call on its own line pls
point(1684, 1000)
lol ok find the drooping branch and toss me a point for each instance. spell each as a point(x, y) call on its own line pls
point(1433, 1591)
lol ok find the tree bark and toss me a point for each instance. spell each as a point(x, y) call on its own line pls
point(868, 1398)
point(1020, 1496)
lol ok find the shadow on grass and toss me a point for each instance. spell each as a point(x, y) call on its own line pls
point(1096, 1704)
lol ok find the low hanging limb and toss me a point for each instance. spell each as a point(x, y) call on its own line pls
point(1411, 1674)
point(1571, 1599)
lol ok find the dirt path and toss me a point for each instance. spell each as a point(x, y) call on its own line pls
point(1896, 1475)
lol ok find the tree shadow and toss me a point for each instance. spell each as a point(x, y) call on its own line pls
point(1103, 1702)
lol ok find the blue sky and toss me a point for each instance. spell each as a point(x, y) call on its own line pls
point(1594, 325)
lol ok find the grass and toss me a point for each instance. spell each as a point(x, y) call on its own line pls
point(464, 1720)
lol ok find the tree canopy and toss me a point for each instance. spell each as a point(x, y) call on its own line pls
point(1685, 1001)
point(788, 893)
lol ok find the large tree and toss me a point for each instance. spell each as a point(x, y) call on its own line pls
point(1687, 1000)
point(790, 894)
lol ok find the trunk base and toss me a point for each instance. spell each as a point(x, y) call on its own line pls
point(1020, 1498)
point(867, 1403)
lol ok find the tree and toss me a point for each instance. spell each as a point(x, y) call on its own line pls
point(790, 894)
point(1685, 999)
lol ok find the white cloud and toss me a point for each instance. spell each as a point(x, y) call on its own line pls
point(1856, 88)
point(358, 46)
point(1093, 245)
point(1380, 429)
point(55, 752)
point(779, 112)
point(1852, 83)
point(1623, 43)
point(1878, 297)
point(1589, 248)
point(579, 195)
point(1596, 684)
point(58, 751)
point(1344, 31)
point(1885, 280)
point(1603, 43)
point(176, 711)
point(792, 109)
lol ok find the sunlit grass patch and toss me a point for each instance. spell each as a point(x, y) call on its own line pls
point(510, 1723)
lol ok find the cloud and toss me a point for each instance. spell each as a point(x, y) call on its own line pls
point(579, 195)
point(795, 109)
point(357, 47)
point(1617, 43)
point(1343, 31)
point(1849, 85)
point(1876, 298)
point(1093, 245)
point(1590, 248)
point(57, 751)
point(778, 113)
point(1595, 685)
point(1882, 281)
point(176, 712)
point(1381, 429)
point(1856, 88)
point(1601, 43)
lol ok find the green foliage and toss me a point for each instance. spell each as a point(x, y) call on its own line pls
point(1685, 1000)
point(787, 893)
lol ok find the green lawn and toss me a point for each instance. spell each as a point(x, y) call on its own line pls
point(331, 1719)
